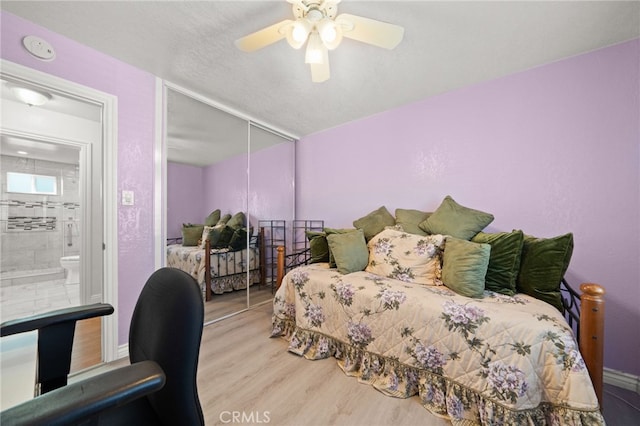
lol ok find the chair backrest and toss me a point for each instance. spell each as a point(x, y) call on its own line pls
point(166, 327)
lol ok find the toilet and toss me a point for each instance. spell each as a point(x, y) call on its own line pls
point(71, 264)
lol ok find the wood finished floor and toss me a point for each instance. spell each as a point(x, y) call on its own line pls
point(87, 345)
point(244, 372)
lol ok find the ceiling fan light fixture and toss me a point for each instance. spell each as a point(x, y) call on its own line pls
point(316, 52)
point(318, 24)
point(330, 33)
point(297, 33)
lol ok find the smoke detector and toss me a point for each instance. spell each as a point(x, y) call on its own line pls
point(39, 48)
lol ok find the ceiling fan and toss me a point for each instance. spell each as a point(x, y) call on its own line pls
point(317, 25)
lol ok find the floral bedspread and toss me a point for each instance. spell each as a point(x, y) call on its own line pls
point(496, 360)
point(224, 264)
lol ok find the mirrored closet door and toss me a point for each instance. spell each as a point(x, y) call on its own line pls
point(271, 200)
point(207, 157)
point(235, 178)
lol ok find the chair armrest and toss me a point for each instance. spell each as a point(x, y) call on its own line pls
point(46, 319)
point(83, 399)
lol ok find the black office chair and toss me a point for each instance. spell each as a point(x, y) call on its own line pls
point(159, 387)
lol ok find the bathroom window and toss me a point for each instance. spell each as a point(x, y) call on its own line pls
point(26, 183)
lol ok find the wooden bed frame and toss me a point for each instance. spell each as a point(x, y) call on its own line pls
point(584, 312)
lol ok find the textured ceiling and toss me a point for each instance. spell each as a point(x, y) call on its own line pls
point(447, 45)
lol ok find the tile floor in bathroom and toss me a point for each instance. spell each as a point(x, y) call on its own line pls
point(21, 298)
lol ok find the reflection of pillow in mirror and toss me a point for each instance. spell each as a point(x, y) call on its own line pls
point(205, 236)
point(238, 239)
point(374, 222)
point(237, 220)
point(409, 220)
point(220, 236)
point(405, 257)
point(318, 246)
point(213, 218)
point(451, 218)
point(464, 266)
point(349, 251)
point(224, 219)
point(191, 234)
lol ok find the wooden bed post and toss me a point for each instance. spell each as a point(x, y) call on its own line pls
point(592, 333)
point(280, 269)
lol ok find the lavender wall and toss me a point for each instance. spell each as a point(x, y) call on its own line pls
point(271, 183)
point(225, 186)
point(135, 90)
point(193, 192)
point(551, 150)
point(184, 197)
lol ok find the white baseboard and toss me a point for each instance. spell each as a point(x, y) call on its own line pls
point(123, 351)
point(622, 380)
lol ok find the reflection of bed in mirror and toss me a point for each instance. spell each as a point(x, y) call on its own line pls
point(218, 158)
point(224, 270)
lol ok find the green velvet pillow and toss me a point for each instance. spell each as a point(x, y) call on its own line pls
point(237, 220)
point(349, 250)
point(213, 218)
point(543, 265)
point(318, 246)
point(504, 262)
point(238, 239)
point(329, 231)
point(191, 234)
point(464, 266)
point(224, 219)
point(450, 218)
point(374, 222)
point(410, 220)
point(220, 236)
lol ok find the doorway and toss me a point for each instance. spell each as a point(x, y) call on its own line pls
point(76, 218)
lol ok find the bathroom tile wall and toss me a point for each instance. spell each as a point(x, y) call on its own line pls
point(38, 229)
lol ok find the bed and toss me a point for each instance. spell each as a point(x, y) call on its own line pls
point(486, 358)
point(224, 270)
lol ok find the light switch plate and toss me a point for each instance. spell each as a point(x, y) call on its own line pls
point(127, 198)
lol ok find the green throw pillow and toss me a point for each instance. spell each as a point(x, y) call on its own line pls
point(191, 234)
point(329, 231)
point(464, 266)
point(318, 246)
point(349, 250)
point(450, 218)
point(504, 262)
point(220, 236)
point(237, 220)
point(238, 239)
point(224, 219)
point(543, 265)
point(374, 222)
point(410, 220)
point(213, 218)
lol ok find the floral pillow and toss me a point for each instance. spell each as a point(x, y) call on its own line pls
point(406, 257)
point(205, 235)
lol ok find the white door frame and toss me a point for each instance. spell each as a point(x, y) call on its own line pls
point(109, 184)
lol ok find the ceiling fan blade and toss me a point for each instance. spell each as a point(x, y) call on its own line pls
point(263, 37)
point(370, 31)
point(320, 72)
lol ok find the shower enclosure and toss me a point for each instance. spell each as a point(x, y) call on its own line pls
point(39, 224)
